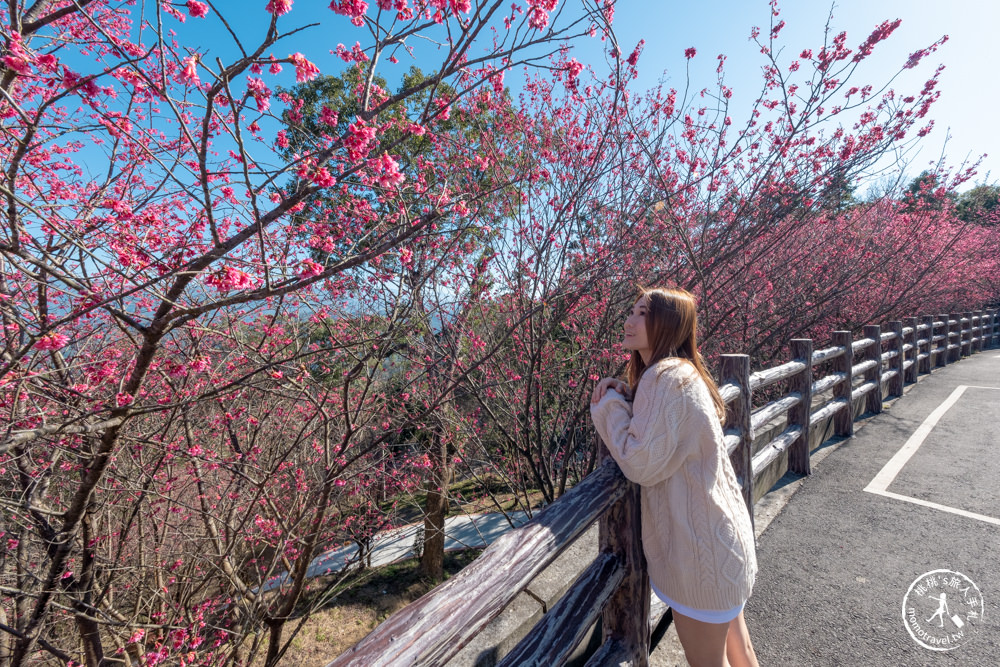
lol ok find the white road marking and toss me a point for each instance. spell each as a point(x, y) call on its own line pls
point(891, 469)
point(936, 506)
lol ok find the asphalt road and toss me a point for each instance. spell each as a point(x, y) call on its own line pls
point(916, 490)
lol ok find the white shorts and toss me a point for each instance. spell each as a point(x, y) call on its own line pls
point(703, 615)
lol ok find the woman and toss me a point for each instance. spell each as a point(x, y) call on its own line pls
point(696, 531)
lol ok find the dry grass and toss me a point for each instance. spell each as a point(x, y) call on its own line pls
point(367, 598)
point(365, 601)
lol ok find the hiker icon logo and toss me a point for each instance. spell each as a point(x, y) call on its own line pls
point(942, 609)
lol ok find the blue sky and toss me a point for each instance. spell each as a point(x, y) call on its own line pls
point(965, 111)
point(969, 100)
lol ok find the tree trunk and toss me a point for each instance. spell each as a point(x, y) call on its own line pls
point(4, 641)
point(90, 637)
point(436, 510)
point(275, 627)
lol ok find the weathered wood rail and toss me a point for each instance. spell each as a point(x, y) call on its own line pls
point(614, 588)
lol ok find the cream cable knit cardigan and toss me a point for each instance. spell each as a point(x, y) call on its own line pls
point(696, 531)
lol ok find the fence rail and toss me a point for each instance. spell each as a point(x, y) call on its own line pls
point(763, 443)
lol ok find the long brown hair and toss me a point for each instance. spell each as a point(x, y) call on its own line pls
point(672, 331)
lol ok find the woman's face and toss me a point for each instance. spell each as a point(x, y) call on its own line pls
point(635, 330)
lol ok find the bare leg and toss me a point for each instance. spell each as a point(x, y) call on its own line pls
point(704, 643)
point(739, 649)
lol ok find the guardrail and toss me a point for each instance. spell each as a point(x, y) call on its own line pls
point(614, 588)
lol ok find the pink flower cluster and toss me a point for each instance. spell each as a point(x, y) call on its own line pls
point(198, 10)
point(229, 278)
point(455, 6)
point(328, 116)
point(309, 268)
point(358, 140)
point(17, 58)
point(354, 9)
point(538, 14)
point(406, 257)
point(279, 7)
point(320, 177)
point(189, 74)
point(880, 33)
point(573, 69)
point(355, 54)
point(304, 70)
point(53, 341)
point(260, 92)
point(387, 171)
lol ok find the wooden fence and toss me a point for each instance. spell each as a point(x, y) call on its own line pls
point(614, 588)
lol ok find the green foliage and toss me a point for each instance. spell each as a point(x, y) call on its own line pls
point(926, 192)
point(838, 195)
point(980, 205)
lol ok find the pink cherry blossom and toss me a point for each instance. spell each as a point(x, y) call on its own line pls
point(189, 74)
point(279, 7)
point(387, 171)
point(354, 9)
point(328, 116)
point(309, 268)
point(198, 10)
point(359, 138)
point(17, 58)
point(304, 70)
point(229, 278)
point(53, 341)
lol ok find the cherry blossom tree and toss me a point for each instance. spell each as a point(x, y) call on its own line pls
point(160, 294)
point(229, 307)
point(758, 219)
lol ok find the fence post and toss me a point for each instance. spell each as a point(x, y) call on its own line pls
point(944, 355)
point(955, 337)
point(896, 363)
point(982, 330)
point(625, 618)
point(801, 383)
point(927, 363)
point(843, 421)
point(873, 401)
point(910, 374)
point(966, 334)
point(978, 347)
point(736, 369)
point(993, 323)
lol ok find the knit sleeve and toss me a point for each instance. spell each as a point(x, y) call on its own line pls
point(644, 438)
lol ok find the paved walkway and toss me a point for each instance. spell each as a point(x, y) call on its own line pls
point(462, 531)
point(916, 490)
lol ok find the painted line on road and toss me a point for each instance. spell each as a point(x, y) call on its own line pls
point(936, 506)
point(890, 470)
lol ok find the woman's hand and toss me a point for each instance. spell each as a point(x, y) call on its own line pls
point(606, 385)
